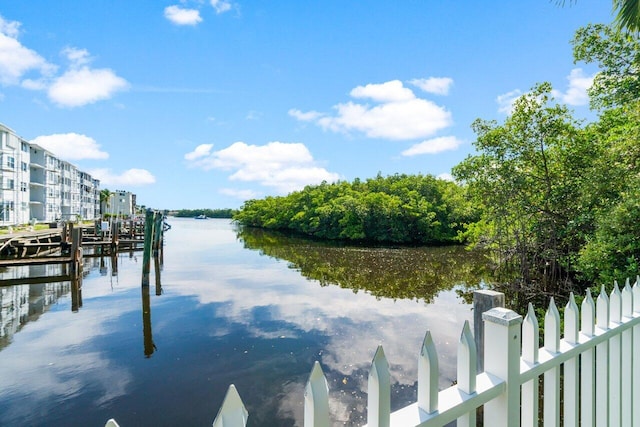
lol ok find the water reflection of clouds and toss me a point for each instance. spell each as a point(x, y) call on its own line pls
point(54, 359)
point(260, 297)
point(64, 367)
point(355, 323)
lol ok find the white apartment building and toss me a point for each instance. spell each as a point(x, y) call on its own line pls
point(38, 186)
point(121, 203)
point(14, 178)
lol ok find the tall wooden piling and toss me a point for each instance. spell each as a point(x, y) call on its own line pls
point(115, 235)
point(156, 264)
point(76, 293)
point(146, 255)
point(76, 252)
point(157, 233)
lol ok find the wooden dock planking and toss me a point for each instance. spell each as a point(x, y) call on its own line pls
point(15, 262)
point(35, 280)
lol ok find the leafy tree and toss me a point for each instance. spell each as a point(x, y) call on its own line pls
point(612, 250)
point(397, 208)
point(526, 176)
point(617, 55)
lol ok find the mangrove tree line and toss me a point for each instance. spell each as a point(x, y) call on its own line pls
point(394, 209)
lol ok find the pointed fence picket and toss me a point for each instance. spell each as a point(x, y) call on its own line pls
point(599, 354)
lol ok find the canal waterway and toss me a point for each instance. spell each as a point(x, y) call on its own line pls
point(227, 306)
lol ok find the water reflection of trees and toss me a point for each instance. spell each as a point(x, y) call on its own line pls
point(392, 272)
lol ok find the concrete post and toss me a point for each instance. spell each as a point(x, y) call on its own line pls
point(483, 300)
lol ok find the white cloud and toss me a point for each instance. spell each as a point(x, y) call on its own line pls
point(283, 166)
point(78, 86)
point(201, 150)
point(9, 28)
point(77, 57)
point(221, 6)
point(15, 59)
point(435, 85)
point(433, 146)
point(579, 84)
point(239, 194)
point(309, 116)
point(391, 91)
point(180, 16)
point(129, 178)
point(83, 86)
point(399, 115)
point(71, 146)
point(506, 101)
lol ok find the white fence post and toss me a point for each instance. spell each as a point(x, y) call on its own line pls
point(626, 374)
point(615, 357)
point(530, 351)
point(316, 399)
point(467, 371)
point(552, 376)
point(587, 364)
point(232, 413)
point(636, 354)
point(428, 376)
point(602, 361)
point(571, 372)
point(379, 387)
point(502, 359)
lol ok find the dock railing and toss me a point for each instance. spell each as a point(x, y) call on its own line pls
point(599, 355)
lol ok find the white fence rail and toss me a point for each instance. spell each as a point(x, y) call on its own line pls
point(599, 354)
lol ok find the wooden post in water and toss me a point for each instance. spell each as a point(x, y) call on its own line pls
point(76, 252)
point(146, 255)
point(156, 264)
point(115, 231)
point(64, 236)
point(76, 293)
point(157, 233)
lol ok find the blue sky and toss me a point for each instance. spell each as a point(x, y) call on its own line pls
point(206, 103)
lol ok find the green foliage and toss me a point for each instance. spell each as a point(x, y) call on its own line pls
point(526, 176)
point(628, 15)
point(617, 54)
point(397, 208)
point(560, 201)
point(209, 213)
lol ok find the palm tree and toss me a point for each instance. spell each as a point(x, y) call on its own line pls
point(105, 197)
point(628, 15)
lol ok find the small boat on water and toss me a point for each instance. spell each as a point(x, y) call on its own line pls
point(201, 217)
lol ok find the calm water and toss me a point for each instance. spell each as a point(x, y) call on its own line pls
point(248, 308)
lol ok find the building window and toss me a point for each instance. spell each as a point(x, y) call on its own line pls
point(23, 165)
point(8, 184)
point(24, 147)
point(11, 162)
point(23, 186)
point(5, 211)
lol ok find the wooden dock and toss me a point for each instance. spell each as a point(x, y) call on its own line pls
point(66, 245)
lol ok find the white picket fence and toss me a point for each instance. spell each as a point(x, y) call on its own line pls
point(599, 356)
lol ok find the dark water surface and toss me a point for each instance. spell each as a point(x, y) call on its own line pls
point(245, 307)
